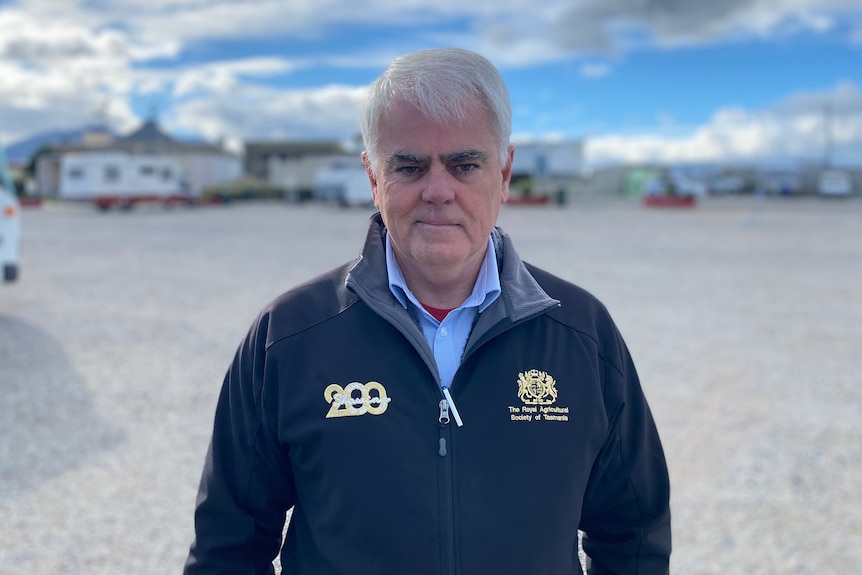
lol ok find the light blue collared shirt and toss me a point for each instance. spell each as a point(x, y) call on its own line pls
point(449, 337)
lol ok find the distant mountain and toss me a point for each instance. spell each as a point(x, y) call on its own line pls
point(20, 152)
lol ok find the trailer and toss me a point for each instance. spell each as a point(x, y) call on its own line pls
point(120, 179)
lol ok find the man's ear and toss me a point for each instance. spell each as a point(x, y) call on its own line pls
point(372, 179)
point(507, 173)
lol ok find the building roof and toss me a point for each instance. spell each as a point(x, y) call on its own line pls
point(148, 138)
point(149, 133)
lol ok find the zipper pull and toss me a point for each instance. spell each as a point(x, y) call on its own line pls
point(444, 413)
point(442, 451)
point(454, 409)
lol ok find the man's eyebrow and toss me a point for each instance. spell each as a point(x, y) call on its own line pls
point(404, 158)
point(465, 156)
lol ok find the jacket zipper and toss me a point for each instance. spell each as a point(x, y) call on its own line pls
point(448, 411)
point(447, 503)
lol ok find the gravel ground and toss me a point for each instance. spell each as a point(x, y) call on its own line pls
point(744, 318)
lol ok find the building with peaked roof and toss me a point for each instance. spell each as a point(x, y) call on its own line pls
point(98, 161)
point(149, 134)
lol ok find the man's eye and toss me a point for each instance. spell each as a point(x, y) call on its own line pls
point(465, 168)
point(409, 170)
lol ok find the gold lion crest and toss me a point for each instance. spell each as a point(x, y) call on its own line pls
point(536, 388)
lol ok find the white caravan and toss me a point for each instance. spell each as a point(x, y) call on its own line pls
point(119, 179)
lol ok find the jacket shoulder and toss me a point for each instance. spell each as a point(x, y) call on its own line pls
point(306, 305)
point(583, 312)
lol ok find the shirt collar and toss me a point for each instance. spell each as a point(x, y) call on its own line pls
point(485, 290)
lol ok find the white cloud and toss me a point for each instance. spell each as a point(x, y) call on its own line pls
point(61, 62)
point(222, 77)
point(595, 69)
point(519, 31)
point(59, 75)
point(803, 128)
point(260, 113)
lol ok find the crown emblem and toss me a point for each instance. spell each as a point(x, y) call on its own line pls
point(536, 388)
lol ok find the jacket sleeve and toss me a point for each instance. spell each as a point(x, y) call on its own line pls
point(247, 486)
point(626, 512)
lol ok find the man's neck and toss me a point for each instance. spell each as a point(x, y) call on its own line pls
point(442, 287)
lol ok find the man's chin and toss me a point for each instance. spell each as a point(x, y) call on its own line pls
point(443, 258)
point(437, 229)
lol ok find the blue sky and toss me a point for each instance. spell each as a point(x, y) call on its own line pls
point(641, 80)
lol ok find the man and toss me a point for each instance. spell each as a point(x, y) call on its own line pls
point(436, 406)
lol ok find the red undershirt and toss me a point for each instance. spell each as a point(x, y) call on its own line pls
point(437, 313)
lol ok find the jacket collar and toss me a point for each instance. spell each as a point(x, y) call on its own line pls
point(521, 296)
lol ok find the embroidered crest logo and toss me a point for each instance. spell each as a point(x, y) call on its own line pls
point(356, 399)
point(536, 388)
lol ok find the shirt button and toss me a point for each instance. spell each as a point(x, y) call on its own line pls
point(444, 332)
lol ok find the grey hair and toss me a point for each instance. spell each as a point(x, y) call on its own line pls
point(444, 84)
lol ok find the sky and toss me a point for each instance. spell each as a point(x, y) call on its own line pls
point(638, 80)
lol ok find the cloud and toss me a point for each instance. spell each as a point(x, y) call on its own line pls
point(614, 26)
point(59, 76)
point(261, 113)
point(805, 127)
point(64, 63)
point(595, 69)
point(519, 31)
point(222, 77)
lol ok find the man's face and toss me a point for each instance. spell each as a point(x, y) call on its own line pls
point(439, 189)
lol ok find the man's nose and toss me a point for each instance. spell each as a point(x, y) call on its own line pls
point(438, 187)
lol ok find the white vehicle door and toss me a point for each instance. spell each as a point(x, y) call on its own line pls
point(10, 235)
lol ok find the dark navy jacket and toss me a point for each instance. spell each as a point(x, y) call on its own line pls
point(332, 407)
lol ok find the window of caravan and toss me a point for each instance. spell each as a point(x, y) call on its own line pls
point(112, 173)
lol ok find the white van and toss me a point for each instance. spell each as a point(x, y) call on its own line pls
point(346, 186)
point(834, 183)
point(10, 225)
point(10, 234)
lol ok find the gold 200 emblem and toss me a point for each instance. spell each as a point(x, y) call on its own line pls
point(356, 399)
